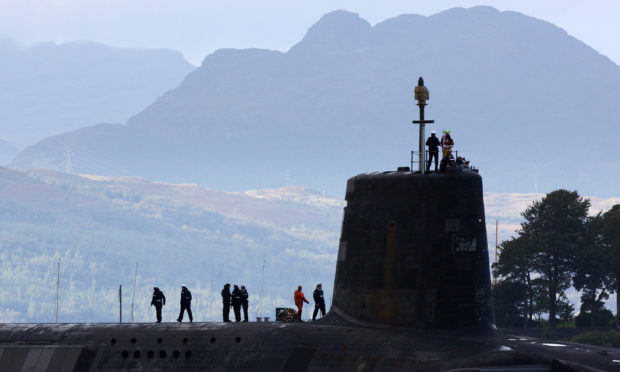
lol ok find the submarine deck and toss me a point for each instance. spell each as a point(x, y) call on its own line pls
point(278, 346)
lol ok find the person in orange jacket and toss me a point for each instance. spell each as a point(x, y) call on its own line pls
point(299, 301)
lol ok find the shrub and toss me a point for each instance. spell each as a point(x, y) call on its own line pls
point(601, 338)
point(601, 318)
point(549, 334)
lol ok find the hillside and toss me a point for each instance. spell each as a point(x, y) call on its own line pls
point(101, 227)
point(519, 94)
point(47, 89)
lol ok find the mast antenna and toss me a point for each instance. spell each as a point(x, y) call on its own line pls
point(421, 95)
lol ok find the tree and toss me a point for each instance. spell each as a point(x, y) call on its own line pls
point(515, 267)
point(508, 303)
point(592, 273)
point(556, 227)
point(592, 312)
point(610, 231)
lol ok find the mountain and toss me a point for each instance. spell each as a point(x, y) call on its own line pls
point(7, 152)
point(47, 89)
point(516, 92)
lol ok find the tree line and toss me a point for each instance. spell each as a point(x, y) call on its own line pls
point(557, 247)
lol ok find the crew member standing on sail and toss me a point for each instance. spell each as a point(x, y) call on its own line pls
point(446, 143)
point(432, 142)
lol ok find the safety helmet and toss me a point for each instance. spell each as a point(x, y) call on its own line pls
point(447, 131)
point(433, 132)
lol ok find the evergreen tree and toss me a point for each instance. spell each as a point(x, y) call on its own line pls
point(610, 231)
point(515, 268)
point(556, 227)
point(592, 274)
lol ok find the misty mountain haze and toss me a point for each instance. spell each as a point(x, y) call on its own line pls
point(7, 151)
point(47, 89)
point(515, 91)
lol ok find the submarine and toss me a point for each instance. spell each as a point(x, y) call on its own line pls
point(412, 292)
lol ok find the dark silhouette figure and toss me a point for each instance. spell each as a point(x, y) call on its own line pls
point(226, 302)
point(159, 300)
point(186, 301)
point(446, 162)
point(236, 302)
point(244, 303)
point(319, 301)
point(433, 152)
point(299, 301)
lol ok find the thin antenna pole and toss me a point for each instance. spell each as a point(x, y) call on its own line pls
point(262, 281)
point(421, 95)
point(120, 303)
point(133, 296)
point(495, 271)
point(57, 289)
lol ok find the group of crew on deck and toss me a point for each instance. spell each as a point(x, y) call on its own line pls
point(237, 299)
point(447, 159)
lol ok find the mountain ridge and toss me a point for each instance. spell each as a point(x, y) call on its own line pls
point(49, 88)
point(248, 118)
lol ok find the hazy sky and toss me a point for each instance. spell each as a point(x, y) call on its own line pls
point(198, 27)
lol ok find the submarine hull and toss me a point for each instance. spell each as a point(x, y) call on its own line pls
point(274, 347)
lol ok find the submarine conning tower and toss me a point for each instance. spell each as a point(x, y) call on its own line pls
point(413, 247)
point(413, 251)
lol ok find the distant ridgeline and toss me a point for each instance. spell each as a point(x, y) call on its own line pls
point(340, 102)
point(47, 89)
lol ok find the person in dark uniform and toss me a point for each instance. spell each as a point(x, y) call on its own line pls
point(226, 302)
point(158, 301)
point(236, 302)
point(186, 301)
point(432, 142)
point(244, 302)
point(319, 301)
point(446, 162)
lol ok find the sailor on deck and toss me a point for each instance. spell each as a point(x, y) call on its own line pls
point(432, 142)
point(446, 143)
point(299, 301)
point(159, 300)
